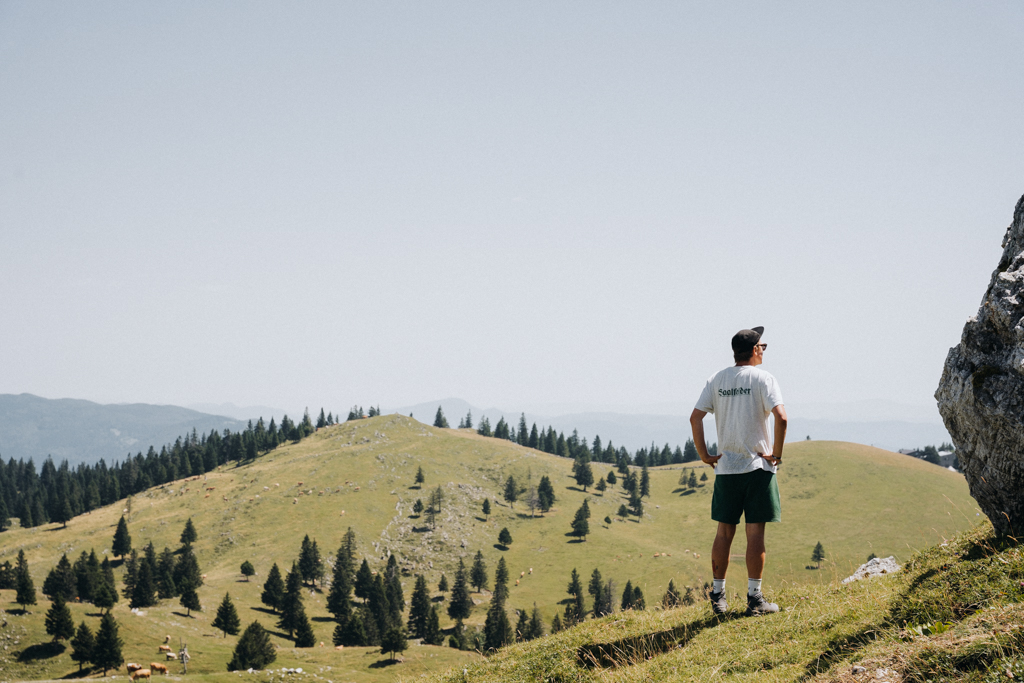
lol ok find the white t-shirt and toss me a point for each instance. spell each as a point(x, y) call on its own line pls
point(741, 399)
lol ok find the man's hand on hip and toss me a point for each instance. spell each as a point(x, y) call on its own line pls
point(772, 460)
point(709, 459)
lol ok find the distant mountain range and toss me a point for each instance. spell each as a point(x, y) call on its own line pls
point(83, 431)
point(881, 424)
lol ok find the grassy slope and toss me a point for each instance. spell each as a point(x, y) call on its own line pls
point(852, 498)
point(856, 632)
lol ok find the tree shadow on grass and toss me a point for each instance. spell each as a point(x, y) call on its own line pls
point(183, 615)
point(322, 619)
point(84, 673)
point(265, 611)
point(40, 651)
point(688, 492)
point(384, 663)
point(501, 547)
point(635, 649)
point(839, 649)
point(420, 529)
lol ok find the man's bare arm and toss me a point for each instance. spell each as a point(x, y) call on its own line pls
point(781, 422)
point(697, 425)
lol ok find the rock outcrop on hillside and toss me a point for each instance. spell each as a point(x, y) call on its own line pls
point(981, 393)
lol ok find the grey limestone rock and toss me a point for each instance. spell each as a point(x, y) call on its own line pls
point(981, 393)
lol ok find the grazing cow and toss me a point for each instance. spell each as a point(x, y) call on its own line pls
point(522, 574)
point(170, 656)
point(210, 488)
point(157, 667)
point(167, 639)
point(141, 673)
point(531, 570)
point(132, 667)
point(299, 484)
point(207, 495)
point(164, 648)
point(517, 582)
point(294, 501)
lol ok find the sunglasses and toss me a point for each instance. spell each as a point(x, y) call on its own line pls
point(761, 346)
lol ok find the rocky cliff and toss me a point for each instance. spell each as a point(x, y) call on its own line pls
point(981, 393)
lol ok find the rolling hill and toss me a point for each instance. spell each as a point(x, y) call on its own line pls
point(854, 499)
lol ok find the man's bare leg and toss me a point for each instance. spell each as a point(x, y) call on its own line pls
point(722, 546)
point(755, 550)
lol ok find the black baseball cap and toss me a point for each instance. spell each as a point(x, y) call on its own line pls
point(744, 340)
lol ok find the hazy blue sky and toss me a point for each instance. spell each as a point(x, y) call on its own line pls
point(516, 203)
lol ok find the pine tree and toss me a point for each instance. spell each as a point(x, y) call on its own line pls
point(638, 599)
point(501, 579)
point(442, 585)
point(497, 628)
point(420, 477)
point(536, 628)
point(627, 596)
point(645, 482)
point(165, 586)
point(478, 573)
point(82, 645)
point(107, 651)
point(580, 525)
point(227, 617)
point(188, 534)
point(556, 624)
point(671, 597)
point(703, 476)
point(487, 508)
point(311, 565)
point(364, 581)
point(393, 590)
point(144, 593)
point(247, 570)
point(522, 626)
point(460, 604)
point(511, 493)
point(5, 515)
point(504, 538)
point(122, 540)
point(816, 556)
point(339, 599)
point(393, 640)
point(186, 570)
point(254, 649)
point(485, 427)
point(584, 474)
point(273, 589)
point(574, 610)
point(419, 608)
point(545, 493)
point(597, 591)
point(601, 485)
point(304, 636)
point(58, 620)
point(291, 603)
point(432, 628)
point(190, 600)
point(439, 419)
point(26, 589)
point(61, 580)
point(692, 481)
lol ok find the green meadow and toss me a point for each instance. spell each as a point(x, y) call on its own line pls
point(854, 499)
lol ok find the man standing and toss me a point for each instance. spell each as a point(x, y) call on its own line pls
point(743, 399)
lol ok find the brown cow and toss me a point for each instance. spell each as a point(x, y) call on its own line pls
point(157, 667)
point(164, 648)
point(132, 667)
point(141, 673)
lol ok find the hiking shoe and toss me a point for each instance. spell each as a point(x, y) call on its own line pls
point(718, 603)
point(756, 605)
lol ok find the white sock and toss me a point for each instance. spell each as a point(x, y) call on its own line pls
point(719, 586)
point(753, 586)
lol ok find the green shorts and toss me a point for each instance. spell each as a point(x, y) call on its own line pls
point(755, 495)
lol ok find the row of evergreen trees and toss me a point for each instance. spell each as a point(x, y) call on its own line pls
point(574, 446)
point(58, 493)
